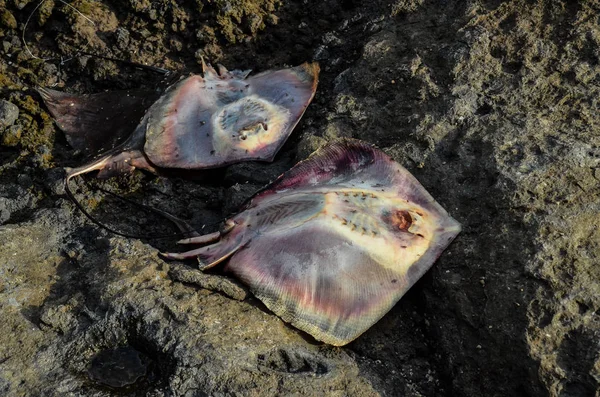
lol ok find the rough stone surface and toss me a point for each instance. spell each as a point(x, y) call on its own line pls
point(8, 114)
point(493, 105)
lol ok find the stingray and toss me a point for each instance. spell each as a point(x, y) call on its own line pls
point(334, 243)
point(200, 122)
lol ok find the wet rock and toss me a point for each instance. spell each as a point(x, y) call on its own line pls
point(256, 173)
point(9, 113)
point(403, 6)
point(229, 287)
point(492, 106)
point(308, 144)
point(237, 194)
point(118, 367)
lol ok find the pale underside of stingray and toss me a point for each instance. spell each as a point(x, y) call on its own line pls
point(334, 243)
point(200, 122)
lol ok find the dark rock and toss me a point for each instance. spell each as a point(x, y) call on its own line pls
point(118, 367)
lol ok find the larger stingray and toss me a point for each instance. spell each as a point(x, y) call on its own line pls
point(335, 242)
point(198, 123)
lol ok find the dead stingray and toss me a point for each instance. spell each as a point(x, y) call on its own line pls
point(334, 243)
point(200, 122)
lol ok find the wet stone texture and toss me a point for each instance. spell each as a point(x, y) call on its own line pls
point(492, 105)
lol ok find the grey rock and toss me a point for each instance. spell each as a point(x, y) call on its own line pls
point(9, 113)
point(490, 107)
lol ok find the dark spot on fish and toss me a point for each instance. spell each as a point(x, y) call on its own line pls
point(394, 281)
point(212, 152)
point(420, 235)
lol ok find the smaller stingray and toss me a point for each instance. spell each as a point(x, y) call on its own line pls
point(199, 122)
point(334, 243)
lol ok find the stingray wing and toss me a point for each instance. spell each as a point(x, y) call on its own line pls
point(98, 122)
point(334, 243)
point(215, 120)
point(319, 280)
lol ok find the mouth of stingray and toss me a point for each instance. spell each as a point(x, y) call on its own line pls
point(249, 124)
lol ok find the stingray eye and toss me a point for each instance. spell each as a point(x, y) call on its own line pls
point(402, 220)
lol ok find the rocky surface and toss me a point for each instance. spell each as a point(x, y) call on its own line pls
point(492, 105)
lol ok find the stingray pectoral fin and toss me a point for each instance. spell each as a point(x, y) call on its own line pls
point(319, 281)
point(350, 163)
point(100, 121)
point(339, 162)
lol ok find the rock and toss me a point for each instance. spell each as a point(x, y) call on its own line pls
point(491, 105)
point(118, 367)
point(9, 113)
point(229, 287)
point(12, 135)
point(7, 19)
point(308, 144)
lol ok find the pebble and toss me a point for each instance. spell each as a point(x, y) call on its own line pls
point(11, 136)
point(9, 113)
